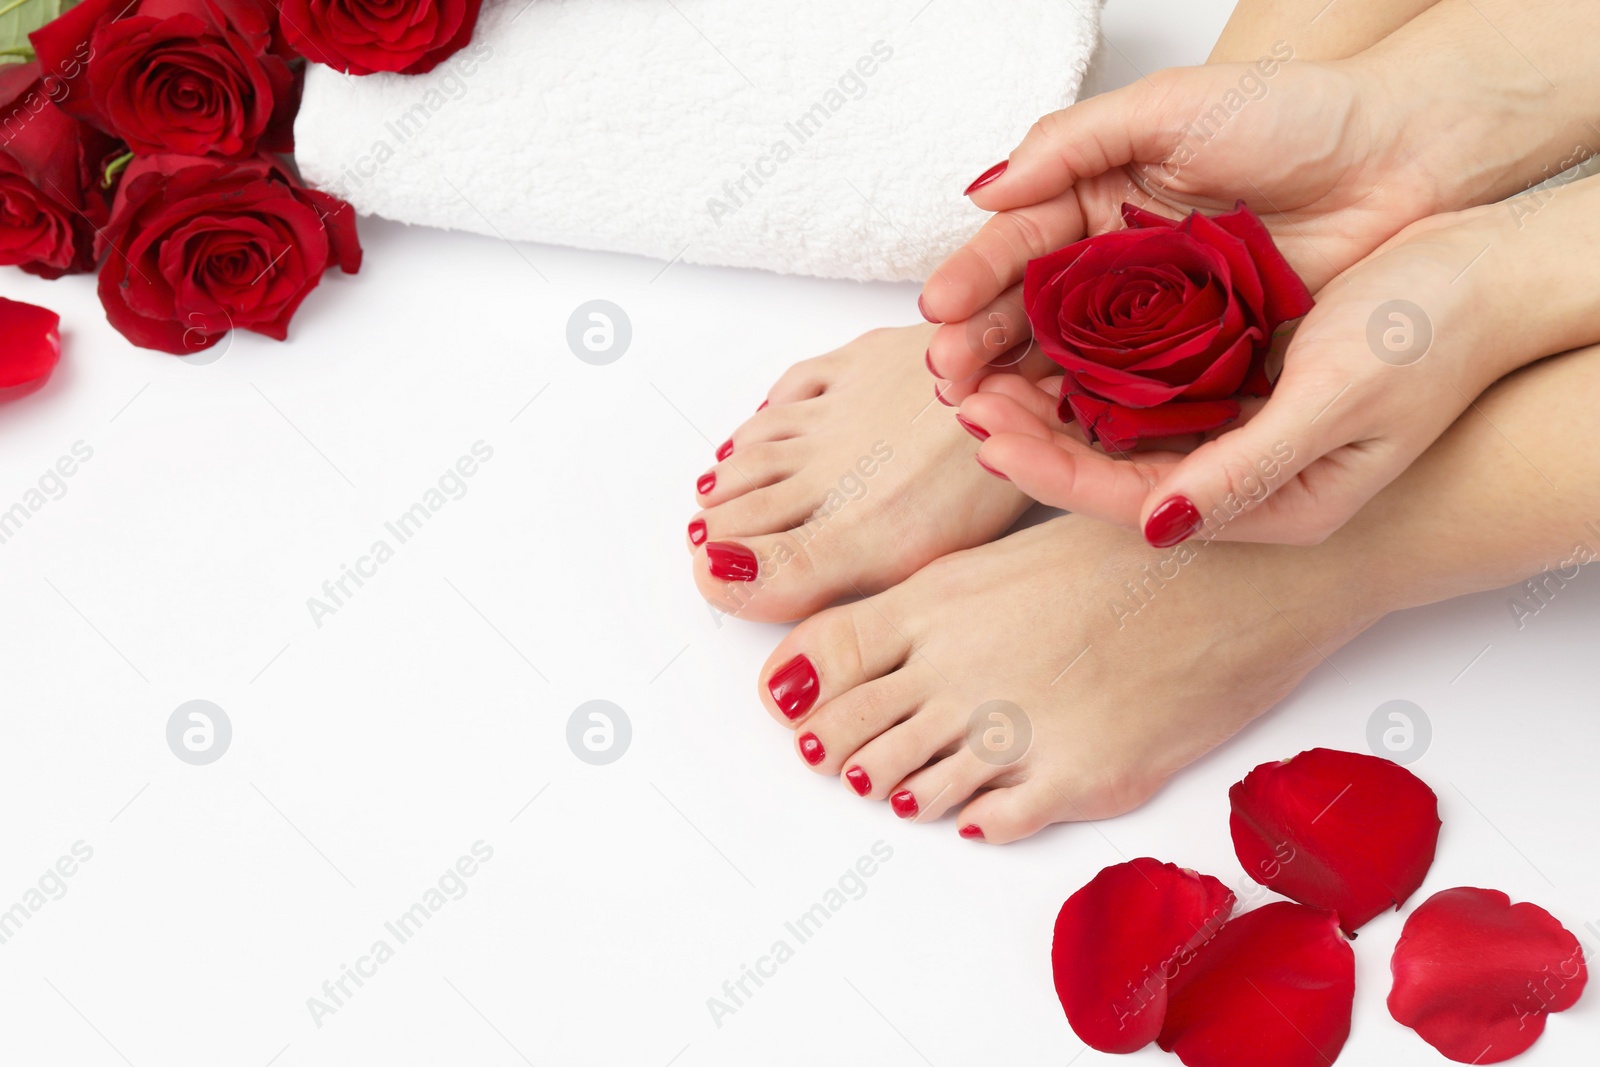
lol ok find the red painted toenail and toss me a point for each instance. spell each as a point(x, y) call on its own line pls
point(973, 428)
point(939, 395)
point(988, 468)
point(725, 450)
point(971, 831)
point(904, 804)
point(986, 177)
point(706, 483)
point(923, 308)
point(764, 403)
point(794, 687)
point(697, 533)
point(1173, 521)
point(731, 562)
point(858, 781)
point(811, 749)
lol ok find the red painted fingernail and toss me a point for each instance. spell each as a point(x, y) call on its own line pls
point(731, 562)
point(725, 450)
point(1175, 520)
point(988, 468)
point(904, 804)
point(697, 533)
point(763, 404)
point(987, 176)
point(971, 831)
point(973, 428)
point(794, 687)
point(923, 308)
point(939, 395)
point(858, 781)
point(927, 361)
point(706, 483)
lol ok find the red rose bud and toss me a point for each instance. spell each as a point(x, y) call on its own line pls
point(367, 36)
point(50, 197)
point(1337, 830)
point(1275, 986)
point(195, 77)
point(1475, 975)
point(30, 343)
point(205, 246)
point(1162, 326)
point(1121, 940)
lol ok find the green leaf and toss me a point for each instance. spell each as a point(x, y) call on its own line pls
point(18, 18)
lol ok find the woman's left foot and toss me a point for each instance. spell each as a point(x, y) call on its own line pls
point(1061, 673)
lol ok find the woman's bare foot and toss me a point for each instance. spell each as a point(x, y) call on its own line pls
point(1058, 674)
point(851, 477)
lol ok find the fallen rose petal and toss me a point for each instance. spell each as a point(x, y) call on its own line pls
point(1475, 975)
point(1120, 940)
point(1275, 986)
point(30, 342)
point(1339, 830)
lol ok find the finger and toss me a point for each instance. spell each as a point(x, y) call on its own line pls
point(1220, 488)
point(998, 335)
point(1091, 137)
point(986, 414)
point(994, 259)
point(1066, 473)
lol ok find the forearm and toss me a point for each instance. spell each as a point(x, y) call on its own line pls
point(1510, 491)
point(1315, 29)
point(1496, 94)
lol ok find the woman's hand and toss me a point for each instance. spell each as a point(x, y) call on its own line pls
point(1395, 350)
point(1313, 149)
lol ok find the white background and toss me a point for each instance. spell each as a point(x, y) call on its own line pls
point(430, 711)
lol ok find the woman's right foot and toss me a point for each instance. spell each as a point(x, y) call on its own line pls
point(850, 478)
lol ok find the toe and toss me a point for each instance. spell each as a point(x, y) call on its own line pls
point(895, 755)
point(827, 656)
point(773, 422)
point(779, 577)
point(741, 471)
point(833, 732)
point(806, 379)
point(773, 509)
point(1012, 813)
point(949, 782)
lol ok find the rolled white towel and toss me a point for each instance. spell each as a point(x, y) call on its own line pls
point(830, 137)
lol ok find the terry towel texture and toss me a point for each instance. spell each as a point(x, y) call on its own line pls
point(829, 137)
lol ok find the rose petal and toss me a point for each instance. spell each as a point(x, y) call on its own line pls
point(1286, 296)
point(30, 342)
point(1275, 986)
point(1118, 428)
point(1121, 938)
point(1475, 975)
point(1340, 830)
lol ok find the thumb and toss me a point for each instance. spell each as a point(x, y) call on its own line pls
point(1231, 476)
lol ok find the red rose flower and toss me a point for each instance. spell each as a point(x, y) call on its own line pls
point(194, 77)
point(204, 246)
point(50, 196)
point(1161, 326)
point(366, 36)
point(30, 343)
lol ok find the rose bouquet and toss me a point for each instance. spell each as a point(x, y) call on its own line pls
point(149, 139)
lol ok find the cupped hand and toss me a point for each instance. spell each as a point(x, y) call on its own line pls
point(1395, 350)
point(1317, 150)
